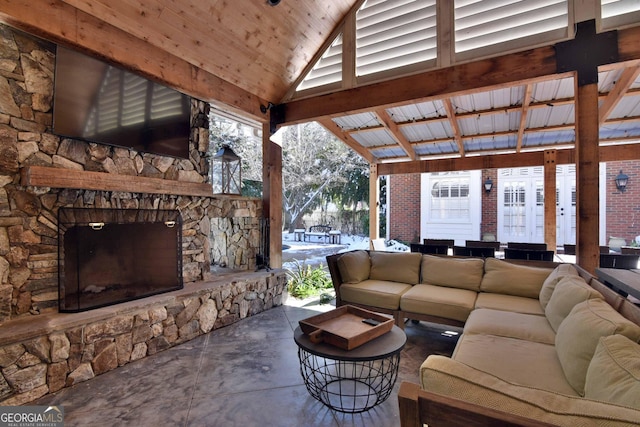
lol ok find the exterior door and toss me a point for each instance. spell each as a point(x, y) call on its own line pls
point(566, 205)
point(521, 205)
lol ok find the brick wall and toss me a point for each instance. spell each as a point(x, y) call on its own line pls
point(404, 207)
point(489, 221)
point(623, 209)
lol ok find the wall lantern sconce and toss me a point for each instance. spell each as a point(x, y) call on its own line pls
point(488, 185)
point(227, 172)
point(621, 182)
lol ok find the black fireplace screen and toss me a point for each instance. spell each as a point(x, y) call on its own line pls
point(108, 256)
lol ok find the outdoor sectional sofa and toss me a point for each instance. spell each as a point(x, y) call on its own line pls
point(542, 344)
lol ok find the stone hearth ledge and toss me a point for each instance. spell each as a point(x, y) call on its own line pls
point(42, 354)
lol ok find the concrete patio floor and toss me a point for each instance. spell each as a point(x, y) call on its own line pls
point(246, 374)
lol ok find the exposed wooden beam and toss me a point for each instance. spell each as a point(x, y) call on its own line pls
point(511, 160)
point(392, 127)
point(550, 214)
point(619, 90)
point(61, 23)
point(515, 68)
point(453, 122)
point(272, 195)
point(333, 127)
point(523, 115)
point(45, 176)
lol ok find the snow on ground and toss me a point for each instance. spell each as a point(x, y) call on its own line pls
point(314, 253)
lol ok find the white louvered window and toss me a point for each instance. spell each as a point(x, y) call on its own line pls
point(394, 33)
point(327, 70)
point(612, 8)
point(480, 23)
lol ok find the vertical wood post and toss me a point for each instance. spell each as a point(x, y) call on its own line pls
point(550, 226)
point(587, 176)
point(374, 208)
point(272, 195)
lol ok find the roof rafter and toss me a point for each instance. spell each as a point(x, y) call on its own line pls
point(621, 87)
point(333, 127)
point(392, 127)
point(453, 122)
point(523, 115)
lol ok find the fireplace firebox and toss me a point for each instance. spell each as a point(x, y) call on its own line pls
point(109, 256)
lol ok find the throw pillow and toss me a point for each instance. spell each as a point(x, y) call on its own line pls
point(463, 273)
point(579, 334)
point(403, 267)
point(354, 266)
point(614, 372)
point(552, 280)
point(570, 291)
point(503, 277)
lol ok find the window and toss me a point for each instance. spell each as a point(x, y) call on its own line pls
point(450, 198)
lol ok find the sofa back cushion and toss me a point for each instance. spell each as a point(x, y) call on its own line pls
point(512, 279)
point(401, 267)
point(354, 266)
point(552, 280)
point(463, 273)
point(569, 292)
point(579, 334)
point(614, 372)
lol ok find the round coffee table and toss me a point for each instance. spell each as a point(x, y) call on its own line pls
point(351, 380)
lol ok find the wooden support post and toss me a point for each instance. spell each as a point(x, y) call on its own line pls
point(374, 209)
point(272, 195)
point(550, 201)
point(587, 176)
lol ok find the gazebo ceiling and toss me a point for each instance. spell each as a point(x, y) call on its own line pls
point(247, 53)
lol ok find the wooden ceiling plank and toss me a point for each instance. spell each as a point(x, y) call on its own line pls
point(614, 96)
point(392, 127)
point(453, 122)
point(523, 115)
point(333, 127)
point(66, 25)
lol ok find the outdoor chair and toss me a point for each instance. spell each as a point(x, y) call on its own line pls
point(449, 242)
point(429, 249)
point(482, 252)
point(528, 254)
point(482, 244)
point(625, 262)
point(530, 246)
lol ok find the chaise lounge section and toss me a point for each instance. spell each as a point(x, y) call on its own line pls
point(542, 344)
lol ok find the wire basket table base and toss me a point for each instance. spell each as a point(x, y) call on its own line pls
point(349, 386)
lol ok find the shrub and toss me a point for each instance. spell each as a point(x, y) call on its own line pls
point(306, 281)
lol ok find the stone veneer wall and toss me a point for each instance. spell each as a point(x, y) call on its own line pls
point(57, 350)
point(28, 230)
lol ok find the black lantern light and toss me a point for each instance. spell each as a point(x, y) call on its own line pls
point(488, 185)
point(621, 182)
point(227, 172)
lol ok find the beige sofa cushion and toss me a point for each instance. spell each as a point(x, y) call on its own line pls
point(580, 332)
point(509, 303)
point(614, 372)
point(354, 266)
point(448, 377)
point(376, 293)
point(463, 273)
point(503, 277)
point(528, 327)
point(528, 363)
point(552, 280)
point(569, 292)
point(401, 267)
point(451, 303)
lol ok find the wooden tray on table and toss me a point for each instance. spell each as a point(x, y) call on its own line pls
point(344, 327)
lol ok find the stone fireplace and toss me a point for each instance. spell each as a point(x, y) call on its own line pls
point(44, 179)
point(108, 256)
